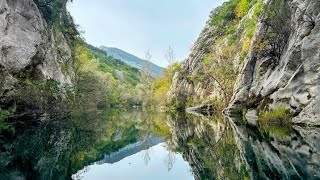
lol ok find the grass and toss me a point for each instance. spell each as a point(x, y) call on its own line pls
point(278, 116)
point(281, 132)
point(276, 122)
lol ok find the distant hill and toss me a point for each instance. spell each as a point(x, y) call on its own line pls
point(114, 66)
point(132, 60)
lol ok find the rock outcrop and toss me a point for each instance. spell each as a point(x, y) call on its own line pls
point(183, 87)
point(294, 81)
point(35, 46)
point(276, 68)
point(219, 48)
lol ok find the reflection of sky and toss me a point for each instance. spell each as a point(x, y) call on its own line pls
point(135, 168)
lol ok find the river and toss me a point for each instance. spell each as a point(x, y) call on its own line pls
point(121, 145)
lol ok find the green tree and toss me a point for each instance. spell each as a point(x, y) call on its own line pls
point(242, 8)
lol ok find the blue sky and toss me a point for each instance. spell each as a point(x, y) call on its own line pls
point(136, 26)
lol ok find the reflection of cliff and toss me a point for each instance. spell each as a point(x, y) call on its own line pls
point(38, 152)
point(209, 146)
point(274, 155)
point(216, 148)
point(131, 149)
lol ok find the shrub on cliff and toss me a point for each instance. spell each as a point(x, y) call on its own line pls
point(278, 116)
point(242, 8)
point(277, 29)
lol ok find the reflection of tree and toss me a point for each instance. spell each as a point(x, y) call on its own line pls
point(81, 173)
point(170, 160)
point(146, 154)
point(208, 145)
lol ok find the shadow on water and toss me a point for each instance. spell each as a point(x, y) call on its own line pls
point(214, 146)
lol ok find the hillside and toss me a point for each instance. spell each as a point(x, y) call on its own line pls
point(132, 60)
point(114, 66)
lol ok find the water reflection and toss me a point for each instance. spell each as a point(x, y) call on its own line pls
point(218, 148)
point(134, 167)
point(209, 145)
point(215, 147)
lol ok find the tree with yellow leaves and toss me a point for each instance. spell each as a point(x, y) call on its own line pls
point(242, 8)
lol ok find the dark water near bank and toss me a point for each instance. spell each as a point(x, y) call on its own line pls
point(124, 145)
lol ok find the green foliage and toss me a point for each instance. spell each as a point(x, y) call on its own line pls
point(258, 9)
point(52, 10)
point(162, 85)
point(243, 55)
point(250, 25)
point(224, 13)
point(37, 97)
point(275, 122)
point(242, 8)
point(279, 116)
point(225, 18)
point(231, 34)
point(109, 65)
point(277, 30)
point(4, 126)
point(102, 81)
point(218, 67)
point(55, 13)
point(231, 30)
point(280, 132)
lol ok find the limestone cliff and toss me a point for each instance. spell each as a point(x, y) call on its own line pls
point(35, 48)
point(209, 73)
point(276, 60)
point(293, 82)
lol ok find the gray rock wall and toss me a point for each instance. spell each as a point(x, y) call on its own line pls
point(33, 47)
point(294, 82)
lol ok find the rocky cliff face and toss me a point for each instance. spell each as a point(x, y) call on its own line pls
point(293, 82)
point(278, 66)
point(209, 73)
point(183, 87)
point(35, 46)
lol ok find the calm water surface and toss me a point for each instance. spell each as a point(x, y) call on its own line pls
point(120, 145)
point(146, 164)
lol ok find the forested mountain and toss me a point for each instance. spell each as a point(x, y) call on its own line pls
point(116, 67)
point(133, 60)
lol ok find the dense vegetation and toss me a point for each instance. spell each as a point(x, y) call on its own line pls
point(114, 66)
point(162, 85)
point(102, 81)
